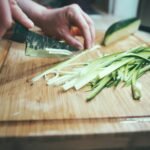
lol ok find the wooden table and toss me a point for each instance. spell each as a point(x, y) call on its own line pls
point(79, 133)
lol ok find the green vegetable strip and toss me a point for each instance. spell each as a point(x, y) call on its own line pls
point(106, 71)
point(135, 88)
point(144, 70)
point(99, 88)
point(113, 67)
point(64, 64)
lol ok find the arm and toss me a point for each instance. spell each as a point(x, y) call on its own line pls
point(57, 22)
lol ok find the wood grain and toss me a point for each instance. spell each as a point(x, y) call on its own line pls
point(20, 101)
point(4, 48)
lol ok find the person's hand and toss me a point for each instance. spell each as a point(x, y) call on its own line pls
point(54, 22)
point(58, 22)
point(9, 10)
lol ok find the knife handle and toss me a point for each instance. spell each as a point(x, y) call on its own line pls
point(145, 28)
point(16, 33)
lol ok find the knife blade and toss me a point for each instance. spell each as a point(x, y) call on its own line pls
point(37, 44)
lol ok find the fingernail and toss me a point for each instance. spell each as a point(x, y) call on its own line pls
point(31, 24)
point(88, 46)
point(79, 46)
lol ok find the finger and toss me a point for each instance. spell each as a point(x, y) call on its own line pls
point(65, 34)
point(20, 16)
point(91, 26)
point(77, 19)
point(5, 17)
point(81, 23)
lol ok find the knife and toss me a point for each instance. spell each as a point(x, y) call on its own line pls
point(38, 45)
point(144, 28)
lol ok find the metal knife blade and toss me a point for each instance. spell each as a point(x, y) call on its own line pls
point(36, 44)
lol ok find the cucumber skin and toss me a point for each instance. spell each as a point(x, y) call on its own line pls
point(118, 26)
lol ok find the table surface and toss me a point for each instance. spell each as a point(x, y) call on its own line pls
point(84, 133)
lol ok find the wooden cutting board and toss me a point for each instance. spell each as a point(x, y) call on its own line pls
point(20, 101)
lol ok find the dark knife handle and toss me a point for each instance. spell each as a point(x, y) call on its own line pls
point(17, 33)
point(145, 28)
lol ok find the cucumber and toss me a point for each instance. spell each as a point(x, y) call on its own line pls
point(120, 29)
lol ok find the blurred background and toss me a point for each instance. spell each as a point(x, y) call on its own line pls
point(120, 8)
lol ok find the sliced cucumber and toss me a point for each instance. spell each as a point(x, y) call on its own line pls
point(121, 29)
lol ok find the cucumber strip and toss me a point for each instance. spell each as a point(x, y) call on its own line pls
point(113, 67)
point(99, 88)
point(58, 51)
point(64, 64)
point(69, 84)
point(106, 71)
point(135, 87)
